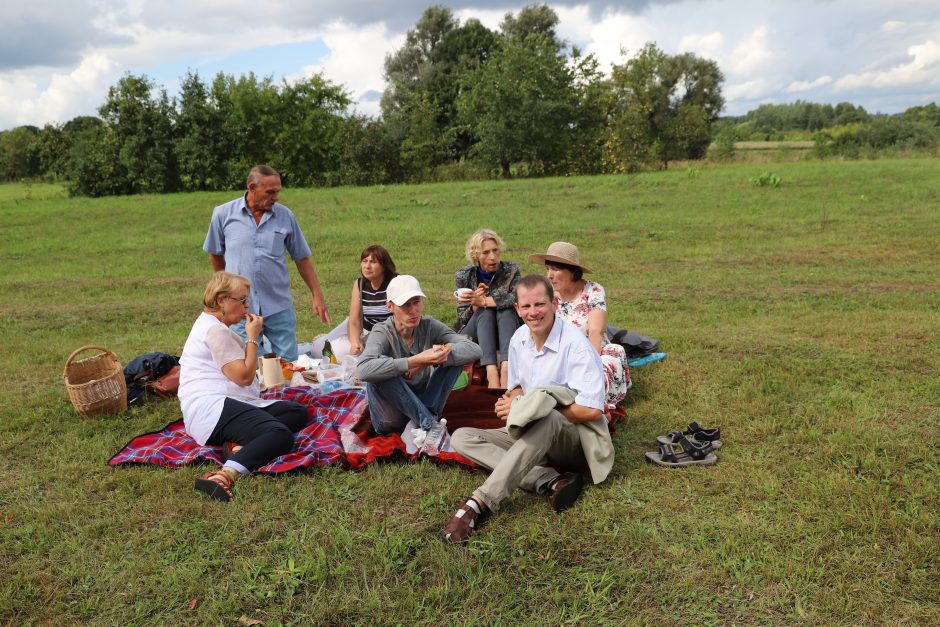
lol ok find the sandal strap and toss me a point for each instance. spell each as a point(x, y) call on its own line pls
point(694, 449)
point(700, 433)
point(672, 452)
point(223, 479)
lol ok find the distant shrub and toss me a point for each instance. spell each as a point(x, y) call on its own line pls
point(881, 136)
point(765, 179)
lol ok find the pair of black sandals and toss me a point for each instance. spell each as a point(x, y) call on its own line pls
point(694, 447)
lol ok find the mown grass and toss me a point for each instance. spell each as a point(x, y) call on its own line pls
point(801, 319)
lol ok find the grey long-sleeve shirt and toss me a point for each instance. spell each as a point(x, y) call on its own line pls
point(386, 354)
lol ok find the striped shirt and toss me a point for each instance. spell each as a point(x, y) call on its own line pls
point(374, 302)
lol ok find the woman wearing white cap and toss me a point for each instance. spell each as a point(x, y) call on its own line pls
point(410, 361)
point(583, 303)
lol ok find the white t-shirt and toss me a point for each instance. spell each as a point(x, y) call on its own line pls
point(203, 386)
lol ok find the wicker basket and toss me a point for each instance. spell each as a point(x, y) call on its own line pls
point(96, 384)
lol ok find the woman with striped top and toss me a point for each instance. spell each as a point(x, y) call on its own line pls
point(368, 304)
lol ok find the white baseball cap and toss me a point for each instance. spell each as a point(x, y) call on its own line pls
point(403, 288)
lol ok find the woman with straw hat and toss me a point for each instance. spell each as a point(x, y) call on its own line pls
point(583, 303)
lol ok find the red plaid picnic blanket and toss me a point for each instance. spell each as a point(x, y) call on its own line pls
point(317, 444)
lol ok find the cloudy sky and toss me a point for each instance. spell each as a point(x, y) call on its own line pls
point(58, 57)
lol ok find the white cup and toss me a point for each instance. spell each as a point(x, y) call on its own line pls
point(462, 292)
point(271, 373)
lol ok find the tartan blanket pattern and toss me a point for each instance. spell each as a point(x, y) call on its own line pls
point(317, 444)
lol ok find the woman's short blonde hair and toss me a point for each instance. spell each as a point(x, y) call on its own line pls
point(475, 243)
point(222, 284)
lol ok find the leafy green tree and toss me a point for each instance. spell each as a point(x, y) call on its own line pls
point(663, 107)
point(521, 105)
point(369, 155)
point(53, 150)
point(142, 126)
point(930, 114)
point(94, 165)
point(19, 153)
point(200, 145)
point(460, 52)
point(249, 109)
point(534, 19)
point(409, 68)
point(310, 127)
point(423, 145)
point(417, 101)
point(589, 125)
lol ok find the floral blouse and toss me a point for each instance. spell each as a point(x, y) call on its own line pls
point(576, 311)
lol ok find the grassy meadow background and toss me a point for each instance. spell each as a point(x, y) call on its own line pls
point(801, 319)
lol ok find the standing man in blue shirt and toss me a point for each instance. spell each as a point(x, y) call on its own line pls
point(249, 236)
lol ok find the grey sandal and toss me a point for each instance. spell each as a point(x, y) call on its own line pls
point(695, 432)
point(685, 452)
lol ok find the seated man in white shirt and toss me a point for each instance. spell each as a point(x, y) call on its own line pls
point(547, 351)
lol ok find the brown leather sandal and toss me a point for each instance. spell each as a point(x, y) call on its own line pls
point(464, 523)
point(217, 484)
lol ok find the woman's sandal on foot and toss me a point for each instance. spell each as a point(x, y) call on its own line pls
point(695, 433)
point(685, 452)
point(217, 484)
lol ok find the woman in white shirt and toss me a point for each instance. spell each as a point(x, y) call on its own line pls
point(219, 392)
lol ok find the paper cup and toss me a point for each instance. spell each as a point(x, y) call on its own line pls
point(271, 372)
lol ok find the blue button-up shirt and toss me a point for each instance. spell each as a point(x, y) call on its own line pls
point(256, 251)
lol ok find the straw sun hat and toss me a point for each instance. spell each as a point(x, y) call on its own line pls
point(561, 252)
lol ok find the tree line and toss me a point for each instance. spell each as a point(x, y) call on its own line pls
point(836, 130)
point(461, 101)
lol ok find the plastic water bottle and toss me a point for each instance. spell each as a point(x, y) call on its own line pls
point(435, 438)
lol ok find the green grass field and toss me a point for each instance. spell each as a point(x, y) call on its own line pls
point(802, 320)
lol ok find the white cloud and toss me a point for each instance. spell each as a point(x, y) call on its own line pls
point(78, 92)
point(753, 55)
point(490, 18)
point(61, 55)
point(710, 46)
point(356, 59)
point(616, 38)
point(892, 26)
point(575, 24)
point(923, 68)
point(756, 89)
point(798, 86)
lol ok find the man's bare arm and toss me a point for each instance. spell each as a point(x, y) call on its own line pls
point(217, 261)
